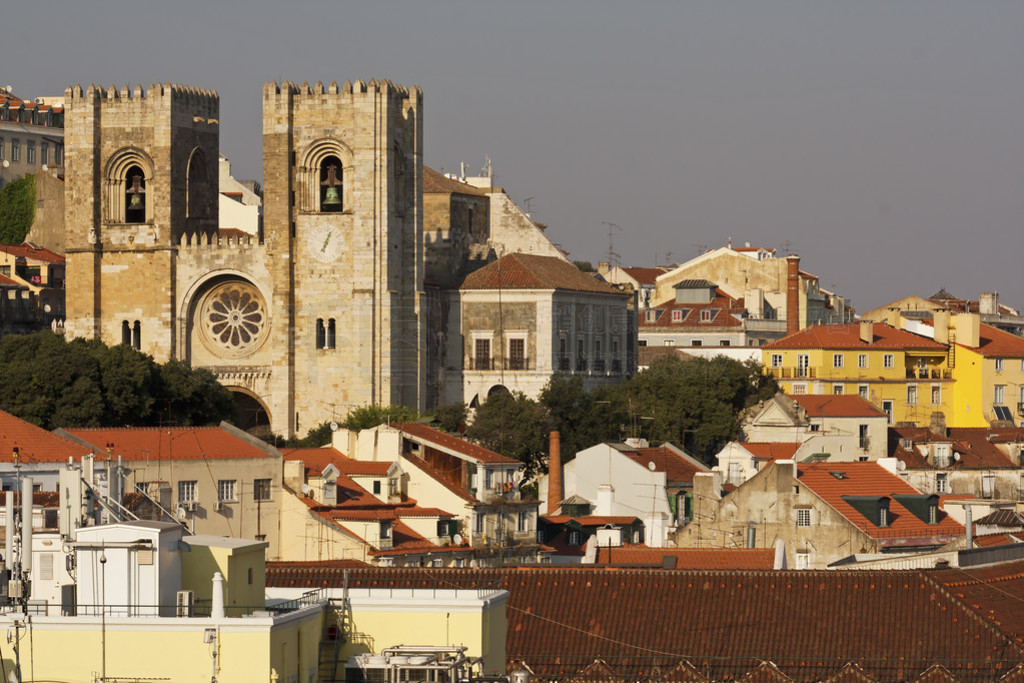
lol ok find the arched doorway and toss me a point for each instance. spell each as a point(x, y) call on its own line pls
point(252, 415)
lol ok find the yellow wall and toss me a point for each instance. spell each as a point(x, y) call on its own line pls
point(70, 649)
point(976, 379)
point(240, 596)
point(304, 536)
point(883, 383)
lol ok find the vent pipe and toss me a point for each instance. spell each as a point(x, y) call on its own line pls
point(969, 525)
point(26, 524)
point(554, 472)
point(751, 536)
point(9, 526)
point(217, 608)
point(792, 294)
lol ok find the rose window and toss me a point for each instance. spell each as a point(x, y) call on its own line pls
point(234, 318)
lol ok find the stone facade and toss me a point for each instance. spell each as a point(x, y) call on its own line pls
point(322, 314)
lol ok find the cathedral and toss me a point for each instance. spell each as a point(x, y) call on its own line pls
point(319, 313)
point(343, 298)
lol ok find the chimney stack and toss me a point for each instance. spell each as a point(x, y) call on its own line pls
point(792, 294)
point(988, 304)
point(940, 324)
point(554, 472)
point(867, 331)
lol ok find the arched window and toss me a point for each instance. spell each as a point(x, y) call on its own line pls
point(320, 333)
point(127, 187)
point(135, 196)
point(331, 334)
point(331, 185)
point(126, 333)
point(137, 335)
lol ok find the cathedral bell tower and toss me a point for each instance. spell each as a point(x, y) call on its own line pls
point(343, 225)
point(140, 171)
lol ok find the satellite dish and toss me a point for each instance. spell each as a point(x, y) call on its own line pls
point(901, 466)
point(334, 426)
point(7, 164)
point(651, 466)
point(956, 456)
point(46, 167)
point(181, 513)
point(457, 539)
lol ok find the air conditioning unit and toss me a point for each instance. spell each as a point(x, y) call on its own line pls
point(188, 505)
point(218, 506)
point(185, 604)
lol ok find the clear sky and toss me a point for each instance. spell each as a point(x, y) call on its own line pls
point(882, 141)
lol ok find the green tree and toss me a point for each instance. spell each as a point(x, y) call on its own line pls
point(17, 209)
point(188, 396)
point(585, 266)
point(696, 403)
point(317, 437)
point(369, 416)
point(584, 419)
point(515, 426)
point(452, 416)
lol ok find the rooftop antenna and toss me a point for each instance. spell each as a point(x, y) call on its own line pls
point(668, 258)
point(786, 247)
point(529, 205)
point(701, 248)
point(613, 258)
point(488, 170)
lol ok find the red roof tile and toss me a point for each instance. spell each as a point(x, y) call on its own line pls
point(645, 276)
point(831, 405)
point(591, 520)
point(34, 253)
point(872, 480)
point(778, 450)
point(724, 312)
point(689, 558)
point(972, 446)
point(435, 437)
point(530, 271)
point(812, 625)
point(848, 337)
point(995, 343)
point(35, 444)
point(436, 476)
point(438, 183)
point(677, 468)
point(171, 443)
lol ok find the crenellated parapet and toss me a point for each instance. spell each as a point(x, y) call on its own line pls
point(349, 89)
point(201, 102)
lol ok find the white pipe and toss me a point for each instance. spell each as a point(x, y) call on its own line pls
point(26, 524)
point(9, 526)
point(217, 609)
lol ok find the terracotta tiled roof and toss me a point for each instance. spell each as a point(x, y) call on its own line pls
point(1003, 518)
point(405, 541)
point(995, 343)
point(437, 183)
point(33, 253)
point(677, 468)
point(689, 558)
point(316, 459)
point(648, 354)
point(35, 444)
point(812, 625)
point(644, 276)
point(233, 233)
point(170, 443)
point(591, 520)
point(831, 405)
point(40, 499)
point(870, 479)
point(9, 282)
point(995, 540)
point(971, 444)
point(842, 337)
point(530, 271)
point(421, 432)
point(724, 311)
point(778, 450)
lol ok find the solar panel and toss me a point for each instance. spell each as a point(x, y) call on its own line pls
point(1003, 413)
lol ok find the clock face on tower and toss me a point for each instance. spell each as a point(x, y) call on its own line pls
point(325, 243)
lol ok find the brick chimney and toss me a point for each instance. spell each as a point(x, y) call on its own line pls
point(792, 294)
point(554, 472)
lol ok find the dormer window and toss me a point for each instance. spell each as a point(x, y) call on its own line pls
point(942, 455)
point(574, 537)
point(385, 530)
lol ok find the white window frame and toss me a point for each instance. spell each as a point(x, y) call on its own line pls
point(188, 491)
point(677, 315)
point(705, 316)
point(889, 361)
point(862, 361)
point(226, 490)
point(803, 518)
point(523, 520)
point(863, 391)
point(776, 360)
point(803, 560)
point(999, 364)
point(838, 361)
point(911, 394)
point(941, 482)
point(936, 394)
point(799, 389)
point(999, 394)
point(838, 390)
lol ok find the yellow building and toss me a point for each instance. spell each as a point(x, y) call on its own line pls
point(988, 370)
point(906, 375)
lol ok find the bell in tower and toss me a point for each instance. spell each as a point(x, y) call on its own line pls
point(330, 195)
point(135, 210)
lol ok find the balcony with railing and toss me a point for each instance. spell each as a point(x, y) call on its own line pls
point(517, 364)
point(481, 363)
point(793, 373)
